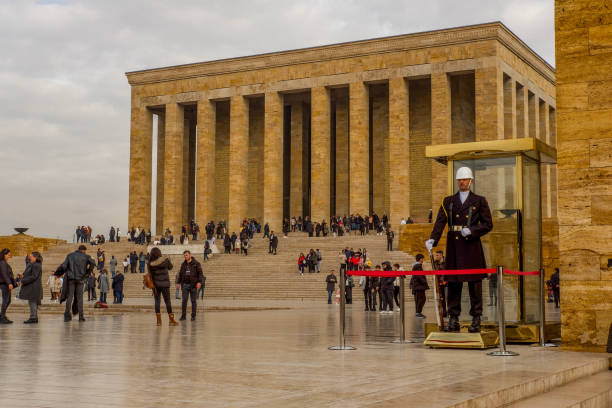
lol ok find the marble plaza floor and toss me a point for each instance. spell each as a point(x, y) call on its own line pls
point(270, 358)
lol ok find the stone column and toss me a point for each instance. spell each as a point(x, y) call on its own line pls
point(159, 202)
point(440, 134)
point(173, 169)
point(359, 142)
point(399, 151)
point(238, 161)
point(522, 113)
point(342, 152)
point(489, 103)
point(320, 140)
point(205, 163)
point(141, 140)
point(510, 108)
point(296, 185)
point(273, 161)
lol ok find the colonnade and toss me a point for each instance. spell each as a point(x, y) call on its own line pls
point(349, 148)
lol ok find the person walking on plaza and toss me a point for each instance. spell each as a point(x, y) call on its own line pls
point(469, 218)
point(396, 287)
point(555, 282)
point(492, 289)
point(133, 261)
point(331, 285)
point(418, 284)
point(101, 259)
point(319, 260)
point(31, 285)
point(117, 287)
point(76, 268)
point(190, 280)
point(50, 282)
point(103, 285)
point(158, 268)
point(57, 288)
point(440, 265)
point(386, 287)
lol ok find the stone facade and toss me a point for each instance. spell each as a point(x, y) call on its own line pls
point(584, 86)
point(336, 129)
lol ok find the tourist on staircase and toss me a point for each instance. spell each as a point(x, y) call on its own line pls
point(158, 268)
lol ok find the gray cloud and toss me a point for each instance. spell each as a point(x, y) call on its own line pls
point(64, 122)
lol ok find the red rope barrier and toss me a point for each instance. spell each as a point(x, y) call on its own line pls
point(393, 274)
point(511, 272)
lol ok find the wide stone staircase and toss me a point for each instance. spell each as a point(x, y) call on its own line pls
point(256, 276)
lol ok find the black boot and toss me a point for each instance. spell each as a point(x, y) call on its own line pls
point(4, 320)
point(182, 317)
point(453, 325)
point(475, 327)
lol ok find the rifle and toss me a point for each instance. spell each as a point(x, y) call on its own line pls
point(437, 298)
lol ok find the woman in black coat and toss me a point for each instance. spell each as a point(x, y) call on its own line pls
point(31, 285)
point(7, 283)
point(158, 268)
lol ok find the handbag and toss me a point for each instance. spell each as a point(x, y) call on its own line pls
point(147, 281)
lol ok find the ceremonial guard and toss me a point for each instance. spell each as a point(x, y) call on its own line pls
point(468, 217)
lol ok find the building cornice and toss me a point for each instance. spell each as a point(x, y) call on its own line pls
point(406, 42)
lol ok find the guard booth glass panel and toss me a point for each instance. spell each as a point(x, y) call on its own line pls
point(531, 248)
point(496, 179)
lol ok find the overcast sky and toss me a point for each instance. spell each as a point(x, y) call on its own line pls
point(65, 101)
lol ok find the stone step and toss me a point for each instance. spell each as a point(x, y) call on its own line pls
point(594, 391)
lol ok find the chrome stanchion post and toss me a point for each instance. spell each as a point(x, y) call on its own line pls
point(542, 342)
point(342, 345)
point(402, 339)
point(500, 316)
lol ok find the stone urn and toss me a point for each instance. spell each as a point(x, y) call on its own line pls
point(21, 230)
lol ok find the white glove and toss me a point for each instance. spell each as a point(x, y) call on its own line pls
point(466, 231)
point(429, 244)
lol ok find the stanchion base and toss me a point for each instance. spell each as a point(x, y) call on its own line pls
point(463, 340)
point(503, 353)
point(398, 341)
point(545, 345)
point(343, 348)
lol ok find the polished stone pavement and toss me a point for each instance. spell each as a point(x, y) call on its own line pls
point(250, 359)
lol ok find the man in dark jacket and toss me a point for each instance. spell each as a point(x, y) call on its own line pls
point(555, 282)
point(118, 287)
point(331, 285)
point(189, 279)
point(419, 285)
point(386, 287)
point(273, 243)
point(76, 267)
point(390, 236)
point(468, 217)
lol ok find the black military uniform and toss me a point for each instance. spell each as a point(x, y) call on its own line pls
point(464, 252)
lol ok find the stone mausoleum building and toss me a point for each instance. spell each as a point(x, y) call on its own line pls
point(335, 129)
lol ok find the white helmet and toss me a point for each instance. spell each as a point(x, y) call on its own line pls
point(464, 173)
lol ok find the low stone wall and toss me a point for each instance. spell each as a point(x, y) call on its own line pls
point(412, 238)
point(23, 244)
